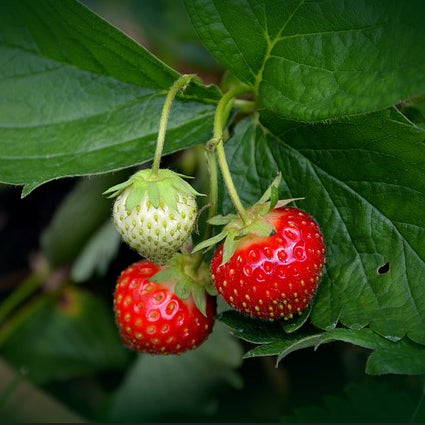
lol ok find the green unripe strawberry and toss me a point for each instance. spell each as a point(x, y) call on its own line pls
point(155, 214)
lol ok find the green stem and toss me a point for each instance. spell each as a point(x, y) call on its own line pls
point(213, 194)
point(23, 291)
point(223, 110)
point(179, 84)
point(22, 315)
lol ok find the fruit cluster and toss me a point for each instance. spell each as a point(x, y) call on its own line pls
point(268, 264)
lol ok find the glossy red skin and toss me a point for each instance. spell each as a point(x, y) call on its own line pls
point(152, 319)
point(277, 276)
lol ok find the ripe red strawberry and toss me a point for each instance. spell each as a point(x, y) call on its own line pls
point(152, 318)
point(275, 276)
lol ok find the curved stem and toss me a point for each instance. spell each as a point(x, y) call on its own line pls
point(179, 84)
point(222, 114)
point(22, 292)
point(25, 312)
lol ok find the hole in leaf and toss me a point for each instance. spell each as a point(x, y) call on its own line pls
point(384, 269)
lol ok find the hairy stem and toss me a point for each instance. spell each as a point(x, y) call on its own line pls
point(221, 116)
point(179, 84)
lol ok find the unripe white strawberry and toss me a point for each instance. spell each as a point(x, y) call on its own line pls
point(155, 214)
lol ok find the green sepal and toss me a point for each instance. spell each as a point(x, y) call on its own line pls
point(134, 197)
point(271, 191)
point(114, 191)
point(221, 220)
point(153, 194)
point(189, 278)
point(229, 247)
point(209, 243)
point(166, 274)
point(165, 186)
point(184, 288)
point(200, 299)
point(260, 227)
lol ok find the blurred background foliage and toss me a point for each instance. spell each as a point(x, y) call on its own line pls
point(61, 359)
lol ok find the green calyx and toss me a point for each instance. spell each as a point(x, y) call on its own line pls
point(255, 222)
point(192, 280)
point(162, 187)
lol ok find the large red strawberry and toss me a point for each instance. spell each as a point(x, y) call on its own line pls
point(152, 318)
point(272, 276)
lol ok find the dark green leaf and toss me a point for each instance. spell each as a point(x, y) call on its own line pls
point(75, 337)
point(317, 60)
point(39, 407)
point(364, 181)
point(177, 384)
point(82, 212)
point(370, 400)
point(79, 97)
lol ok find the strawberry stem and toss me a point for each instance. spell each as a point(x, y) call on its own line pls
point(223, 110)
point(179, 84)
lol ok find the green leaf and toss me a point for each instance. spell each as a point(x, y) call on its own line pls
point(67, 340)
point(364, 181)
point(273, 339)
point(82, 212)
point(97, 254)
point(40, 407)
point(178, 384)
point(369, 400)
point(318, 60)
point(79, 97)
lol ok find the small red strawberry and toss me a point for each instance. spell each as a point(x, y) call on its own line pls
point(152, 318)
point(273, 275)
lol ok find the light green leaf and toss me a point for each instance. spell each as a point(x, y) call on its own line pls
point(97, 254)
point(316, 60)
point(79, 97)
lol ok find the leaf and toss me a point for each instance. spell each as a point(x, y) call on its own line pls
point(272, 339)
point(370, 400)
point(97, 254)
point(39, 406)
point(316, 60)
point(67, 340)
point(177, 384)
point(81, 213)
point(364, 182)
point(79, 97)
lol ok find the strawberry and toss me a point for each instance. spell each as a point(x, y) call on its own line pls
point(154, 214)
point(274, 275)
point(151, 318)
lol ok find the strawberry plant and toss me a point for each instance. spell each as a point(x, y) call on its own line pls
point(256, 164)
